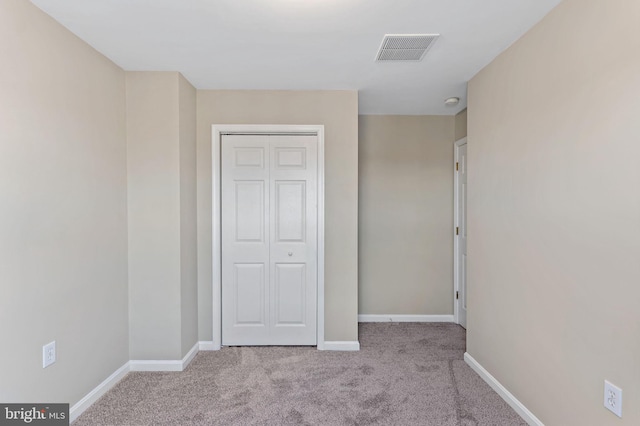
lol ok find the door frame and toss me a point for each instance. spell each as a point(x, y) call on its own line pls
point(456, 222)
point(219, 130)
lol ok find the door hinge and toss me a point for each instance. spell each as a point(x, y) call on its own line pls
point(457, 295)
point(457, 166)
point(457, 230)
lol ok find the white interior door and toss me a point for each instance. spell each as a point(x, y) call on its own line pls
point(269, 239)
point(461, 232)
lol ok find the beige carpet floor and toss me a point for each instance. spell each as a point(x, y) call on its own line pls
point(404, 374)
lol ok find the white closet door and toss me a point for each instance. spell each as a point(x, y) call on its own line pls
point(245, 240)
point(269, 240)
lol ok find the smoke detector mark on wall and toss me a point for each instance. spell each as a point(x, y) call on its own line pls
point(405, 47)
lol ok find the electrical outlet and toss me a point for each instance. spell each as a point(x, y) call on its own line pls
point(613, 398)
point(48, 354)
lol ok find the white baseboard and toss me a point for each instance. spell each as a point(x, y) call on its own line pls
point(345, 345)
point(513, 402)
point(165, 365)
point(134, 365)
point(207, 346)
point(405, 318)
point(80, 407)
point(190, 355)
point(156, 365)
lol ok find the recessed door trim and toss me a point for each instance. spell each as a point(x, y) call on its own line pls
point(456, 222)
point(217, 131)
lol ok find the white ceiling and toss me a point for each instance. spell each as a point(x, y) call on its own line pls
point(306, 44)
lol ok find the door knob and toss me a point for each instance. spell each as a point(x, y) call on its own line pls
point(290, 253)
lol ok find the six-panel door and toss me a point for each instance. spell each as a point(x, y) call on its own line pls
point(269, 239)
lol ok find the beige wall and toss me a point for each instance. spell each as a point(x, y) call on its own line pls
point(161, 166)
point(461, 124)
point(63, 223)
point(406, 215)
point(188, 215)
point(338, 111)
point(554, 214)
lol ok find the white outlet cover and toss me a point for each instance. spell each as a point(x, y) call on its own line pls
point(613, 398)
point(48, 354)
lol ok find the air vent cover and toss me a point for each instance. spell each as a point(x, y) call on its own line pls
point(405, 47)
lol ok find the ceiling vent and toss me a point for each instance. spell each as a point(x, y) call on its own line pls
point(405, 47)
